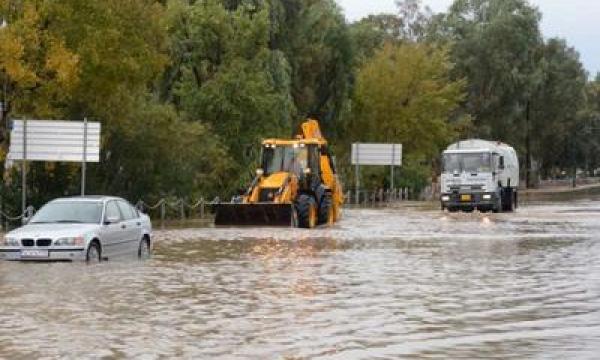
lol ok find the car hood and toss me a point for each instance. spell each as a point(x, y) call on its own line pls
point(53, 230)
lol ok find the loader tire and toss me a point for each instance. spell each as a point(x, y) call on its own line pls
point(325, 210)
point(306, 208)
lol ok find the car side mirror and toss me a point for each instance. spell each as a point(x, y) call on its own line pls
point(111, 220)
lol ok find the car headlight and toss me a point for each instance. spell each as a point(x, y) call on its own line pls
point(487, 197)
point(9, 241)
point(70, 241)
point(445, 198)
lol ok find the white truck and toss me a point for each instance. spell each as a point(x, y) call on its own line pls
point(479, 175)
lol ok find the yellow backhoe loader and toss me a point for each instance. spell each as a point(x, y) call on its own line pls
point(296, 185)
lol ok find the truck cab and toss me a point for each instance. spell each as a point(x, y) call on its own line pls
point(479, 175)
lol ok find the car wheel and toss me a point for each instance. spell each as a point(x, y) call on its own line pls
point(93, 253)
point(144, 251)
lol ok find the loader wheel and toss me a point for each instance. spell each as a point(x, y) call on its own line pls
point(326, 210)
point(306, 208)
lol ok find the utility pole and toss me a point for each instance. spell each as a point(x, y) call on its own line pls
point(573, 160)
point(528, 145)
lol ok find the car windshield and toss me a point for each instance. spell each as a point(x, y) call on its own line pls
point(285, 159)
point(86, 212)
point(467, 162)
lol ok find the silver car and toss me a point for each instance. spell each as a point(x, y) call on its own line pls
point(81, 228)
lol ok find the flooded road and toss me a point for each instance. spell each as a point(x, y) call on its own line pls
point(384, 284)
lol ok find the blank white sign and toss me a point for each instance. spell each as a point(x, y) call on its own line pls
point(51, 140)
point(377, 154)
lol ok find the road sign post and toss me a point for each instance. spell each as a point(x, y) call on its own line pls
point(54, 141)
point(24, 170)
point(84, 162)
point(376, 154)
point(357, 176)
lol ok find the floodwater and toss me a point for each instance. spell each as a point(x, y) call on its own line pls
point(383, 284)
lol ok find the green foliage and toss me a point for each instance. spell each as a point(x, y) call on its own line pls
point(588, 133)
point(494, 44)
point(100, 59)
point(556, 104)
point(314, 37)
point(157, 154)
point(522, 90)
point(225, 74)
point(404, 94)
point(185, 90)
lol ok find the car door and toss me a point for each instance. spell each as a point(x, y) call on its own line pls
point(112, 232)
point(133, 227)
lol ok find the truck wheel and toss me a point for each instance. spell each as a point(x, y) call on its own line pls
point(306, 207)
point(325, 210)
point(498, 207)
point(508, 200)
point(511, 206)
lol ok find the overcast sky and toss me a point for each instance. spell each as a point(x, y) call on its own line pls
point(578, 21)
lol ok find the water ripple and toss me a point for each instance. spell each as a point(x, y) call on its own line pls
point(382, 284)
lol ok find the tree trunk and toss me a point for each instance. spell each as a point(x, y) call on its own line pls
point(528, 146)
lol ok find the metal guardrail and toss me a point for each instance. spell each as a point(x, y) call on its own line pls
point(180, 209)
point(184, 210)
point(377, 197)
point(6, 219)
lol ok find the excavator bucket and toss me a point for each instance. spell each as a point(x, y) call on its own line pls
point(260, 214)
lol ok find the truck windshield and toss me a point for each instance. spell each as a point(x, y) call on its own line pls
point(467, 162)
point(285, 159)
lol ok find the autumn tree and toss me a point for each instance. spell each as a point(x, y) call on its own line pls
point(102, 59)
point(404, 94)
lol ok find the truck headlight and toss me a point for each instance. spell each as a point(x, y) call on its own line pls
point(445, 198)
point(69, 241)
point(487, 197)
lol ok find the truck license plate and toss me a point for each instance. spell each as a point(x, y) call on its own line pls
point(465, 198)
point(34, 253)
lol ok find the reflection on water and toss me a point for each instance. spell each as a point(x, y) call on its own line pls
point(382, 284)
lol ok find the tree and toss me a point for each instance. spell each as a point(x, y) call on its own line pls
point(102, 59)
point(494, 43)
point(224, 73)
point(156, 154)
point(589, 134)
point(404, 94)
point(315, 39)
point(37, 70)
point(555, 106)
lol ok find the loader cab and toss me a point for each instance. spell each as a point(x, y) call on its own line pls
point(299, 158)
